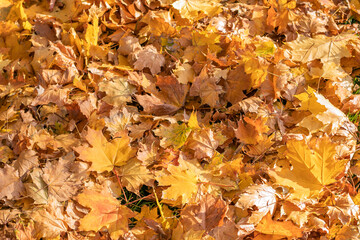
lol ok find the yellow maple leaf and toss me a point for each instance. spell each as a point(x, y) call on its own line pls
point(193, 122)
point(190, 8)
point(281, 229)
point(105, 155)
point(177, 134)
point(134, 174)
point(265, 48)
point(92, 34)
point(257, 67)
point(17, 12)
point(306, 49)
point(325, 116)
point(174, 135)
point(184, 73)
point(309, 101)
point(106, 211)
point(312, 168)
point(118, 91)
point(182, 181)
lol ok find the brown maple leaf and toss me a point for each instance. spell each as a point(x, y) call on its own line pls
point(149, 58)
point(205, 216)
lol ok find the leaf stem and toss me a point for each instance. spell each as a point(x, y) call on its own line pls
point(159, 206)
point(118, 179)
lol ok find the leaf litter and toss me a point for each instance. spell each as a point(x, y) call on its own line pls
point(179, 119)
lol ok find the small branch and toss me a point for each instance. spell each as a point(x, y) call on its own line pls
point(139, 199)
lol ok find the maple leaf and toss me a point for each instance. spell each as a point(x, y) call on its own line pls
point(128, 44)
point(190, 8)
point(204, 143)
point(344, 210)
point(282, 229)
point(168, 100)
point(256, 67)
point(63, 178)
point(236, 82)
point(11, 185)
point(312, 168)
point(182, 181)
point(324, 116)
point(174, 135)
point(105, 155)
point(26, 161)
point(309, 101)
point(159, 23)
point(37, 190)
point(149, 58)
point(184, 73)
point(306, 49)
point(118, 91)
point(49, 221)
point(105, 211)
point(260, 196)
point(280, 14)
point(133, 174)
point(206, 215)
point(251, 131)
point(206, 87)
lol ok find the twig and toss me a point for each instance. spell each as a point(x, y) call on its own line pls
point(139, 199)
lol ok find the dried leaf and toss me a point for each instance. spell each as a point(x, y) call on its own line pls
point(105, 155)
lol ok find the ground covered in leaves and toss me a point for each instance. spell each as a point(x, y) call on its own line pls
point(179, 119)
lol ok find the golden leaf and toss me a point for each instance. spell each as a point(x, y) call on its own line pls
point(105, 155)
point(106, 211)
point(118, 91)
point(134, 174)
point(182, 181)
point(283, 229)
point(306, 49)
point(312, 168)
point(190, 8)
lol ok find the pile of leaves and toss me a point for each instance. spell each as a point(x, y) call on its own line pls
point(179, 119)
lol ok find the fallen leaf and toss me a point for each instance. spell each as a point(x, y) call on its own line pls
point(306, 49)
point(149, 58)
point(118, 91)
point(261, 198)
point(26, 160)
point(311, 168)
point(190, 8)
point(133, 174)
point(105, 155)
point(283, 229)
point(182, 181)
point(49, 221)
point(11, 185)
point(105, 211)
point(251, 131)
point(205, 216)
